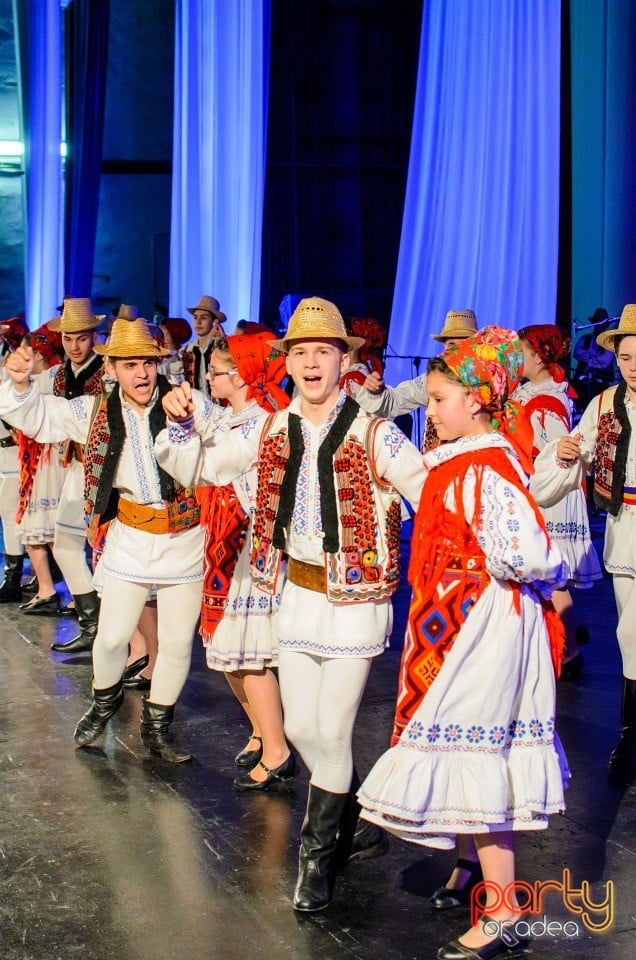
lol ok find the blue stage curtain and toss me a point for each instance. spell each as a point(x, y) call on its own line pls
point(220, 121)
point(38, 27)
point(481, 215)
point(86, 26)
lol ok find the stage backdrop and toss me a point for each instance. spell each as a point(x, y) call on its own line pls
point(220, 115)
point(481, 215)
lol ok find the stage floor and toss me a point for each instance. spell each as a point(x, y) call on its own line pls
point(109, 854)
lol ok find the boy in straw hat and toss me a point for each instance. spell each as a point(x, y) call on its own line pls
point(153, 535)
point(385, 401)
point(208, 320)
point(80, 375)
point(328, 497)
point(605, 442)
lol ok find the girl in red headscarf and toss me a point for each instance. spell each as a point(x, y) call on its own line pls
point(547, 398)
point(238, 621)
point(41, 481)
point(476, 757)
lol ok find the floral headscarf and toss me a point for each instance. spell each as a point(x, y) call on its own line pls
point(490, 365)
point(261, 367)
point(549, 343)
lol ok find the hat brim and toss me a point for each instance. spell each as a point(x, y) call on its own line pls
point(462, 333)
point(56, 324)
point(119, 353)
point(213, 313)
point(606, 339)
point(353, 343)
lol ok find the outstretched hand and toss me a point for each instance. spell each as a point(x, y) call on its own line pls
point(19, 366)
point(178, 404)
point(374, 383)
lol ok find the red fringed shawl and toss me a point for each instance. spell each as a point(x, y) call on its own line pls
point(29, 457)
point(444, 548)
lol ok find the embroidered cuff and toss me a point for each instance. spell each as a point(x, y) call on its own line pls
point(180, 432)
point(564, 464)
point(21, 397)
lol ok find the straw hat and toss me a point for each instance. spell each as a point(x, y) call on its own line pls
point(77, 315)
point(316, 319)
point(212, 305)
point(458, 324)
point(130, 338)
point(128, 311)
point(626, 327)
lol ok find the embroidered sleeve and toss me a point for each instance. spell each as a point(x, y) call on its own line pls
point(46, 419)
point(217, 459)
point(398, 462)
point(515, 546)
point(553, 479)
point(394, 401)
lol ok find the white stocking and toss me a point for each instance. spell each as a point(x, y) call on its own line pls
point(320, 701)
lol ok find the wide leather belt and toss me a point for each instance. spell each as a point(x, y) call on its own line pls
point(307, 575)
point(141, 517)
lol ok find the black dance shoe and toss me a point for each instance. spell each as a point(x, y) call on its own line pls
point(447, 898)
point(42, 606)
point(135, 668)
point(507, 943)
point(249, 758)
point(281, 774)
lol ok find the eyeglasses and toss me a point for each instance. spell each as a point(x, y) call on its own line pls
point(220, 373)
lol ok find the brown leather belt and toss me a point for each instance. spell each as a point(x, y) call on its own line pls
point(307, 575)
point(76, 451)
point(141, 517)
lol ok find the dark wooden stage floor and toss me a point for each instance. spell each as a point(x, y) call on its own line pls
point(108, 854)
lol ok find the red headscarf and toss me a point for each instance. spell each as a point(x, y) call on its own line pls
point(490, 365)
point(549, 343)
point(14, 330)
point(48, 343)
point(261, 367)
point(370, 352)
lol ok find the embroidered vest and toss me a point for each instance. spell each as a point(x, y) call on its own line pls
point(365, 562)
point(192, 364)
point(88, 381)
point(610, 452)
point(104, 445)
point(66, 384)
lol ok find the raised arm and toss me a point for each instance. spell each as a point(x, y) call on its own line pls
point(47, 419)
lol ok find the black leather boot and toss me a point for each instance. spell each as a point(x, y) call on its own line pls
point(622, 761)
point(105, 704)
point(357, 839)
point(10, 589)
point(155, 732)
point(317, 860)
point(87, 607)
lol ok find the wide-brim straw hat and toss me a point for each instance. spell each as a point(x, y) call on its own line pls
point(458, 324)
point(626, 327)
point(130, 338)
point(316, 319)
point(212, 305)
point(77, 315)
point(128, 311)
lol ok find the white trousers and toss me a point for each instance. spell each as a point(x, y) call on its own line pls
point(320, 702)
point(178, 608)
point(8, 508)
point(69, 550)
point(625, 595)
